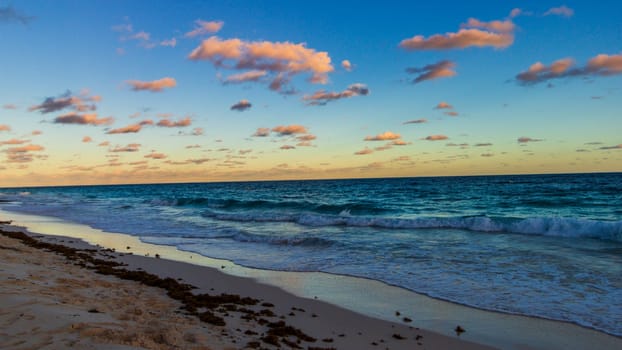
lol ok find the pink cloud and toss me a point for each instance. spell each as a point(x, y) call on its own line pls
point(345, 64)
point(385, 136)
point(281, 59)
point(133, 128)
point(132, 147)
point(320, 98)
point(83, 119)
point(13, 142)
point(306, 138)
point(87, 139)
point(289, 130)
point(443, 105)
point(241, 106)
point(4, 127)
point(262, 132)
point(441, 69)
point(204, 27)
point(154, 155)
point(436, 138)
point(36, 132)
point(599, 65)
point(178, 124)
point(563, 11)
point(475, 33)
point(364, 152)
point(524, 139)
point(22, 154)
point(253, 75)
point(153, 86)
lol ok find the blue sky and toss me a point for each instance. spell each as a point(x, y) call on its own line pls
point(563, 116)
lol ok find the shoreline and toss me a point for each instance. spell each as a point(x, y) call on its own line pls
point(377, 300)
point(265, 316)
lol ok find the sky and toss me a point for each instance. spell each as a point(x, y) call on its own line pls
point(102, 92)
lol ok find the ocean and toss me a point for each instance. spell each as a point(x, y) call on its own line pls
point(547, 246)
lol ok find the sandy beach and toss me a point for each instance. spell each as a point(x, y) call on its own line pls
point(60, 292)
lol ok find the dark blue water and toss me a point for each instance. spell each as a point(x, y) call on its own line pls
point(540, 245)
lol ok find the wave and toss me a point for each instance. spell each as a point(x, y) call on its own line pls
point(234, 204)
point(545, 226)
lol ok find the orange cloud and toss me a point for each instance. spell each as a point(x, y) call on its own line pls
point(416, 121)
point(321, 98)
point(385, 136)
point(13, 142)
point(22, 154)
point(400, 143)
point(36, 132)
point(441, 69)
point(287, 147)
point(282, 59)
point(289, 130)
point(133, 128)
point(87, 139)
point(599, 65)
point(498, 34)
point(104, 144)
point(563, 11)
point(204, 27)
point(241, 106)
point(436, 138)
point(178, 124)
point(451, 113)
point(4, 127)
point(153, 86)
point(83, 119)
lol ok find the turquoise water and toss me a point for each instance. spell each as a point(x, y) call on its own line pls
point(540, 245)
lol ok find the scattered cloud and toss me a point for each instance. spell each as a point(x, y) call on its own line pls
point(253, 75)
point(451, 113)
point(474, 33)
point(282, 60)
point(322, 97)
point(154, 155)
point(241, 106)
point(132, 147)
point(487, 155)
point(345, 64)
point(13, 142)
point(4, 127)
point(441, 69)
point(178, 124)
point(443, 105)
point(9, 14)
point(436, 138)
point(400, 143)
point(153, 86)
point(80, 103)
point(385, 136)
point(87, 139)
point(487, 144)
point(35, 132)
point(416, 121)
point(283, 130)
point(364, 151)
point(22, 154)
point(287, 147)
point(262, 132)
point(563, 11)
point(599, 65)
point(133, 128)
point(82, 119)
point(611, 147)
point(204, 28)
point(524, 139)
point(9, 106)
point(170, 42)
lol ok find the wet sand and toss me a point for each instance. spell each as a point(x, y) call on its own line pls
point(60, 292)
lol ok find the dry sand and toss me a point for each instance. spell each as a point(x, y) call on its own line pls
point(48, 301)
